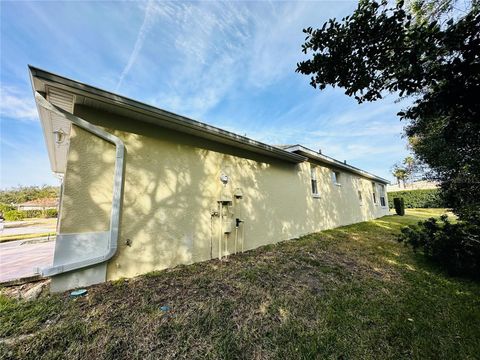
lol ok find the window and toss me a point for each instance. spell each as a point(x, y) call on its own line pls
point(313, 174)
point(360, 197)
point(336, 178)
point(382, 195)
point(374, 194)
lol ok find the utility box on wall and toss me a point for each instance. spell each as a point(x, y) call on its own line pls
point(225, 200)
point(228, 226)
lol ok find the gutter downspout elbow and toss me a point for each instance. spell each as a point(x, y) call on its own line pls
point(112, 235)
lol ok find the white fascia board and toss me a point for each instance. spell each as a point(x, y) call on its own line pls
point(48, 136)
point(57, 153)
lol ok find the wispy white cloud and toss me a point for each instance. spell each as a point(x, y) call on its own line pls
point(15, 105)
point(370, 142)
point(368, 152)
point(147, 23)
point(228, 48)
point(370, 129)
point(362, 150)
point(214, 50)
point(209, 44)
point(365, 112)
point(230, 64)
point(277, 37)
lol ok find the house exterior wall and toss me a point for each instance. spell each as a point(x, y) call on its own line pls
point(172, 186)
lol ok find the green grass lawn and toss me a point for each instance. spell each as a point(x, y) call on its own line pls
point(347, 293)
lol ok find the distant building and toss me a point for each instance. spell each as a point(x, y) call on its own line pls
point(415, 185)
point(39, 204)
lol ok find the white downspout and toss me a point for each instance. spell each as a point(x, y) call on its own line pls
point(111, 235)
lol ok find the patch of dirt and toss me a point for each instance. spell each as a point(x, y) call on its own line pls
point(20, 291)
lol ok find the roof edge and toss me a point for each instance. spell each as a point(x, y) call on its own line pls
point(220, 135)
point(311, 154)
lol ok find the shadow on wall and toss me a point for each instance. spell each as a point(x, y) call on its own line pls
point(172, 186)
point(88, 184)
point(87, 196)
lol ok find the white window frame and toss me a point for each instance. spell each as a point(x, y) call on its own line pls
point(336, 175)
point(374, 193)
point(360, 197)
point(383, 200)
point(314, 181)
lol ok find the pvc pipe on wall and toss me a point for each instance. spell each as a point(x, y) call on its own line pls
point(236, 238)
point(221, 230)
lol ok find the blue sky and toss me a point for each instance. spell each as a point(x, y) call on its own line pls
point(229, 64)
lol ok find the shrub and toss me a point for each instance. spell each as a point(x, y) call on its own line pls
point(5, 207)
point(51, 213)
point(456, 247)
point(399, 206)
point(14, 215)
point(26, 193)
point(33, 213)
point(423, 198)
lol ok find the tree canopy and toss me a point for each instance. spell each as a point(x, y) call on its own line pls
point(26, 193)
point(381, 49)
point(400, 174)
point(410, 169)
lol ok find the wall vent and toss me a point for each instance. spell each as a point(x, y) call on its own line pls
point(61, 99)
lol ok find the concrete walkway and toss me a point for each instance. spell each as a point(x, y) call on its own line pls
point(19, 258)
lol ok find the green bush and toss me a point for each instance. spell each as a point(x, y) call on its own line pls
point(424, 198)
point(26, 193)
point(399, 205)
point(14, 215)
point(33, 213)
point(51, 213)
point(6, 207)
point(456, 247)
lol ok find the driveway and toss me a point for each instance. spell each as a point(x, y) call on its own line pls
point(19, 258)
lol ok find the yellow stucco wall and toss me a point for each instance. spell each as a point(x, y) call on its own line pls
point(88, 184)
point(172, 185)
